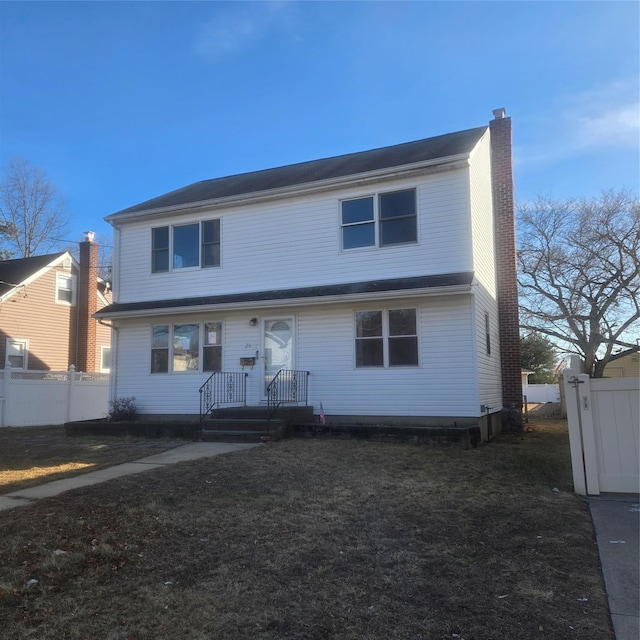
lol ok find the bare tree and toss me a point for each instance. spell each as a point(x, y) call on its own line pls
point(579, 273)
point(32, 215)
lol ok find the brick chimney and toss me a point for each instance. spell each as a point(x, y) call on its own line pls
point(506, 270)
point(87, 304)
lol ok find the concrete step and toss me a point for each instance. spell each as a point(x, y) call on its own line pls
point(241, 430)
point(286, 413)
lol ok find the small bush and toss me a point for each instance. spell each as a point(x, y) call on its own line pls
point(122, 409)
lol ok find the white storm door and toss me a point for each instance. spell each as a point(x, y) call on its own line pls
point(278, 348)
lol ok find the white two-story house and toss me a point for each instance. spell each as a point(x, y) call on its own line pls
point(378, 272)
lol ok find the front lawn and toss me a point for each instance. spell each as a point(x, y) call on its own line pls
point(33, 455)
point(315, 539)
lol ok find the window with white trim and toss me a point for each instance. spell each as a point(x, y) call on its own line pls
point(186, 347)
point(105, 359)
point(65, 289)
point(17, 353)
point(185, 246)
point(386, 338)
point(381, 220)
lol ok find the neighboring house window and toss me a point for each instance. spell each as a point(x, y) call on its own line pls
point(17, 353)
point(386, 338)
point(186, 347)
point(487, 333)
point(65, 289)
point(185, 246)
point(379, 221)
point(105, 359)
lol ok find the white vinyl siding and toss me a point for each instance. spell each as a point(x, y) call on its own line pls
point(272, 245)
point(442, 385)
point(487, 365)
point(482, 215)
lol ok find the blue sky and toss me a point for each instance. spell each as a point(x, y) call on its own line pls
point(119, 102)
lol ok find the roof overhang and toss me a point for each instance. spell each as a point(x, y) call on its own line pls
point(396, 288)
point(437, 165)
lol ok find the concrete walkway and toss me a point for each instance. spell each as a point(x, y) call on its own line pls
point(617, 522)
point(190, 451)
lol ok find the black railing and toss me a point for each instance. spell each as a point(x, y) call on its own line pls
point(222, 387)
point(287, 387)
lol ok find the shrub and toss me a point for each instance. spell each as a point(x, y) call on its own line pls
point(122, 409)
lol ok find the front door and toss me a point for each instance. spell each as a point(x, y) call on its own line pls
point(277, 348)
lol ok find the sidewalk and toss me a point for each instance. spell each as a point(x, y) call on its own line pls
point(617, 522)
point(190, 451)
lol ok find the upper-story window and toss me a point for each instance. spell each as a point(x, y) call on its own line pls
point(65, 289)
point(185, 245)
point(379, 221)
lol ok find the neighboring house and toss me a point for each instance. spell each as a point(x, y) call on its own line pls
point(388, 274)
point(46, 308)
point(625, 364)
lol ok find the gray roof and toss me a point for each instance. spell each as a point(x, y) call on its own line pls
point(275, 295)
point(443, 146)
point(15, 272)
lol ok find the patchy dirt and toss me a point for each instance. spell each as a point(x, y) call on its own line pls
point(314, 539)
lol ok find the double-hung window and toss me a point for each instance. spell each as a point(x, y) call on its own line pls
point(105, 359)
point(185, 246)
point(186, 347)
point(65, 289)
point(386, 338)
point(381, 220)
point(17, 353)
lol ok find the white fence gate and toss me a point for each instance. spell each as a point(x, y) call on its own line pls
point(604, 431)
point(35, 398)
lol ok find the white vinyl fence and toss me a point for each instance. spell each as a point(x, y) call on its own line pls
point(541, 392)
point(33, 398)
point(604, 431)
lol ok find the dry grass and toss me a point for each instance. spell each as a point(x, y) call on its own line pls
point(315, 539)
point(33, 455)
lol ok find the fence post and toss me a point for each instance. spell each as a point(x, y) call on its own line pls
point(588, 435)
point(6, 391)
point(72, 381)
point(569, 377)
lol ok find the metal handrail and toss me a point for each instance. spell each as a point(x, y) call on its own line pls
point(288, 386)
point(222, 387)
